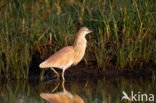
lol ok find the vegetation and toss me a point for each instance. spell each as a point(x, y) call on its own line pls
point(124, 32)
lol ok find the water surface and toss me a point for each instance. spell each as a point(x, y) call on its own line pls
point(90, 90)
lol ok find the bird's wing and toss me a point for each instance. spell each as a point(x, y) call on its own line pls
point(59, 59)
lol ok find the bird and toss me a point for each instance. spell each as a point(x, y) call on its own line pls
point(69, 55)
point(62, 97)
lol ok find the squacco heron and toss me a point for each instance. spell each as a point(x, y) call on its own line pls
point(70, 55)
point(62, 97)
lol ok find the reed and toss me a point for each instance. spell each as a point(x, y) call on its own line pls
point(124, 32)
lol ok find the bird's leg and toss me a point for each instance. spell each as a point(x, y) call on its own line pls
point(56, 73)
point(63, 85)
point(56, 87)
point(63, 75)
point(64, 89)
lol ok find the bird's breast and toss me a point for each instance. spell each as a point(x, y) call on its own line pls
point(79, 53)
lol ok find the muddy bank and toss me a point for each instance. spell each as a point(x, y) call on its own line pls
point(87, 71)
point(90, 70)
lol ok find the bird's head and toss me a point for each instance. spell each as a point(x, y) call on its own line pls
point(84, 31)
point(81, 35)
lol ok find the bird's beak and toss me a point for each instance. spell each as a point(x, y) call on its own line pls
point(89, 31)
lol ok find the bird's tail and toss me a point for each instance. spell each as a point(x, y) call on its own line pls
point(43, 65)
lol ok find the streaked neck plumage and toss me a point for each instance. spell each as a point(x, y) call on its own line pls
point(79, 46)
point(80, 41)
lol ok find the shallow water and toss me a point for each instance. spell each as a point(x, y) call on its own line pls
point(90, 90)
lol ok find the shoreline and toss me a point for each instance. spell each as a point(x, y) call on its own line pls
point(80, 71)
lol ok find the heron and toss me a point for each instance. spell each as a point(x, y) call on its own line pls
point(62, 97)
point(69, 55)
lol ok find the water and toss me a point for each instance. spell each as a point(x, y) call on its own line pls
point(90, 90)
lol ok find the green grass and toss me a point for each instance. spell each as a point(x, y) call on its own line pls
point(124, 32)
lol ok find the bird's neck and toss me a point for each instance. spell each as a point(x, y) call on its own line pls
point(80, 43)
point(79, 48)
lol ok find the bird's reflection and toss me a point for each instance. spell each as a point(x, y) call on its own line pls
point(61, 97)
